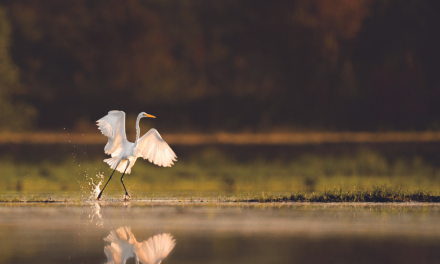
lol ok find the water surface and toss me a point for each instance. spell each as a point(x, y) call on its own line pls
point(226, 232)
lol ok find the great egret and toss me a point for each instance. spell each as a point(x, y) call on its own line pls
point(124, 246)
point(150, 146)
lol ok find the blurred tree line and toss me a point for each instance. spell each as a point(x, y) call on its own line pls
point(222, 64)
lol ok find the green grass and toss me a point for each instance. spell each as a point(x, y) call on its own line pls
point(377, 194)
point(212, 171)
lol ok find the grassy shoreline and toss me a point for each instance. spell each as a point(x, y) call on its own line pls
point(377, 194)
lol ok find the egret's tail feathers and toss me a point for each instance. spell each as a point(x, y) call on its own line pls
point(113, 162)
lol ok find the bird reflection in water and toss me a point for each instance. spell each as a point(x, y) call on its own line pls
point(124, 246)
point(96, 214)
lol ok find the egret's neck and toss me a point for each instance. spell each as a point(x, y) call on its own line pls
point(137, 129)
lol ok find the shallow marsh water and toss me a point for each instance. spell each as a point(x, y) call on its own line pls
point(225, 232)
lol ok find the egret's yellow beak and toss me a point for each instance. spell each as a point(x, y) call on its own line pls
point(152, 116)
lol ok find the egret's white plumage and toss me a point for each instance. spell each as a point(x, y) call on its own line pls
point(151, 146)
point(113, 127)
point(123, 153)
point(124, 246)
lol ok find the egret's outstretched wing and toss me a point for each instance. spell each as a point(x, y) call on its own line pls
point(121, 248)
point(113, 127)
point(155, 249)
point(151, 146)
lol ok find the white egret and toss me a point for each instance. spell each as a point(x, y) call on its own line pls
point(124, 246)
point(150, 146)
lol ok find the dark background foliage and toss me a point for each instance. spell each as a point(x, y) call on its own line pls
point(224, 65)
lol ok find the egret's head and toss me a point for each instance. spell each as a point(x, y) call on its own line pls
point(143, 114)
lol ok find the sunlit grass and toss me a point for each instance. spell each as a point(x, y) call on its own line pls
point(212, 171)
point(377, 194)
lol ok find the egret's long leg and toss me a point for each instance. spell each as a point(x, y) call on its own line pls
point(128, 164)
point(99, 196)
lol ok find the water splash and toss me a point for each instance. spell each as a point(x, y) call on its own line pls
point(97, 190)
point(95, 214)
point(96, 187)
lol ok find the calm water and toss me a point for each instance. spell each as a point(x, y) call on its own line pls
point(226, 233)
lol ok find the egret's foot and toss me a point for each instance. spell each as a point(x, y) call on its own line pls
point(127, 197)
point(99, 198)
